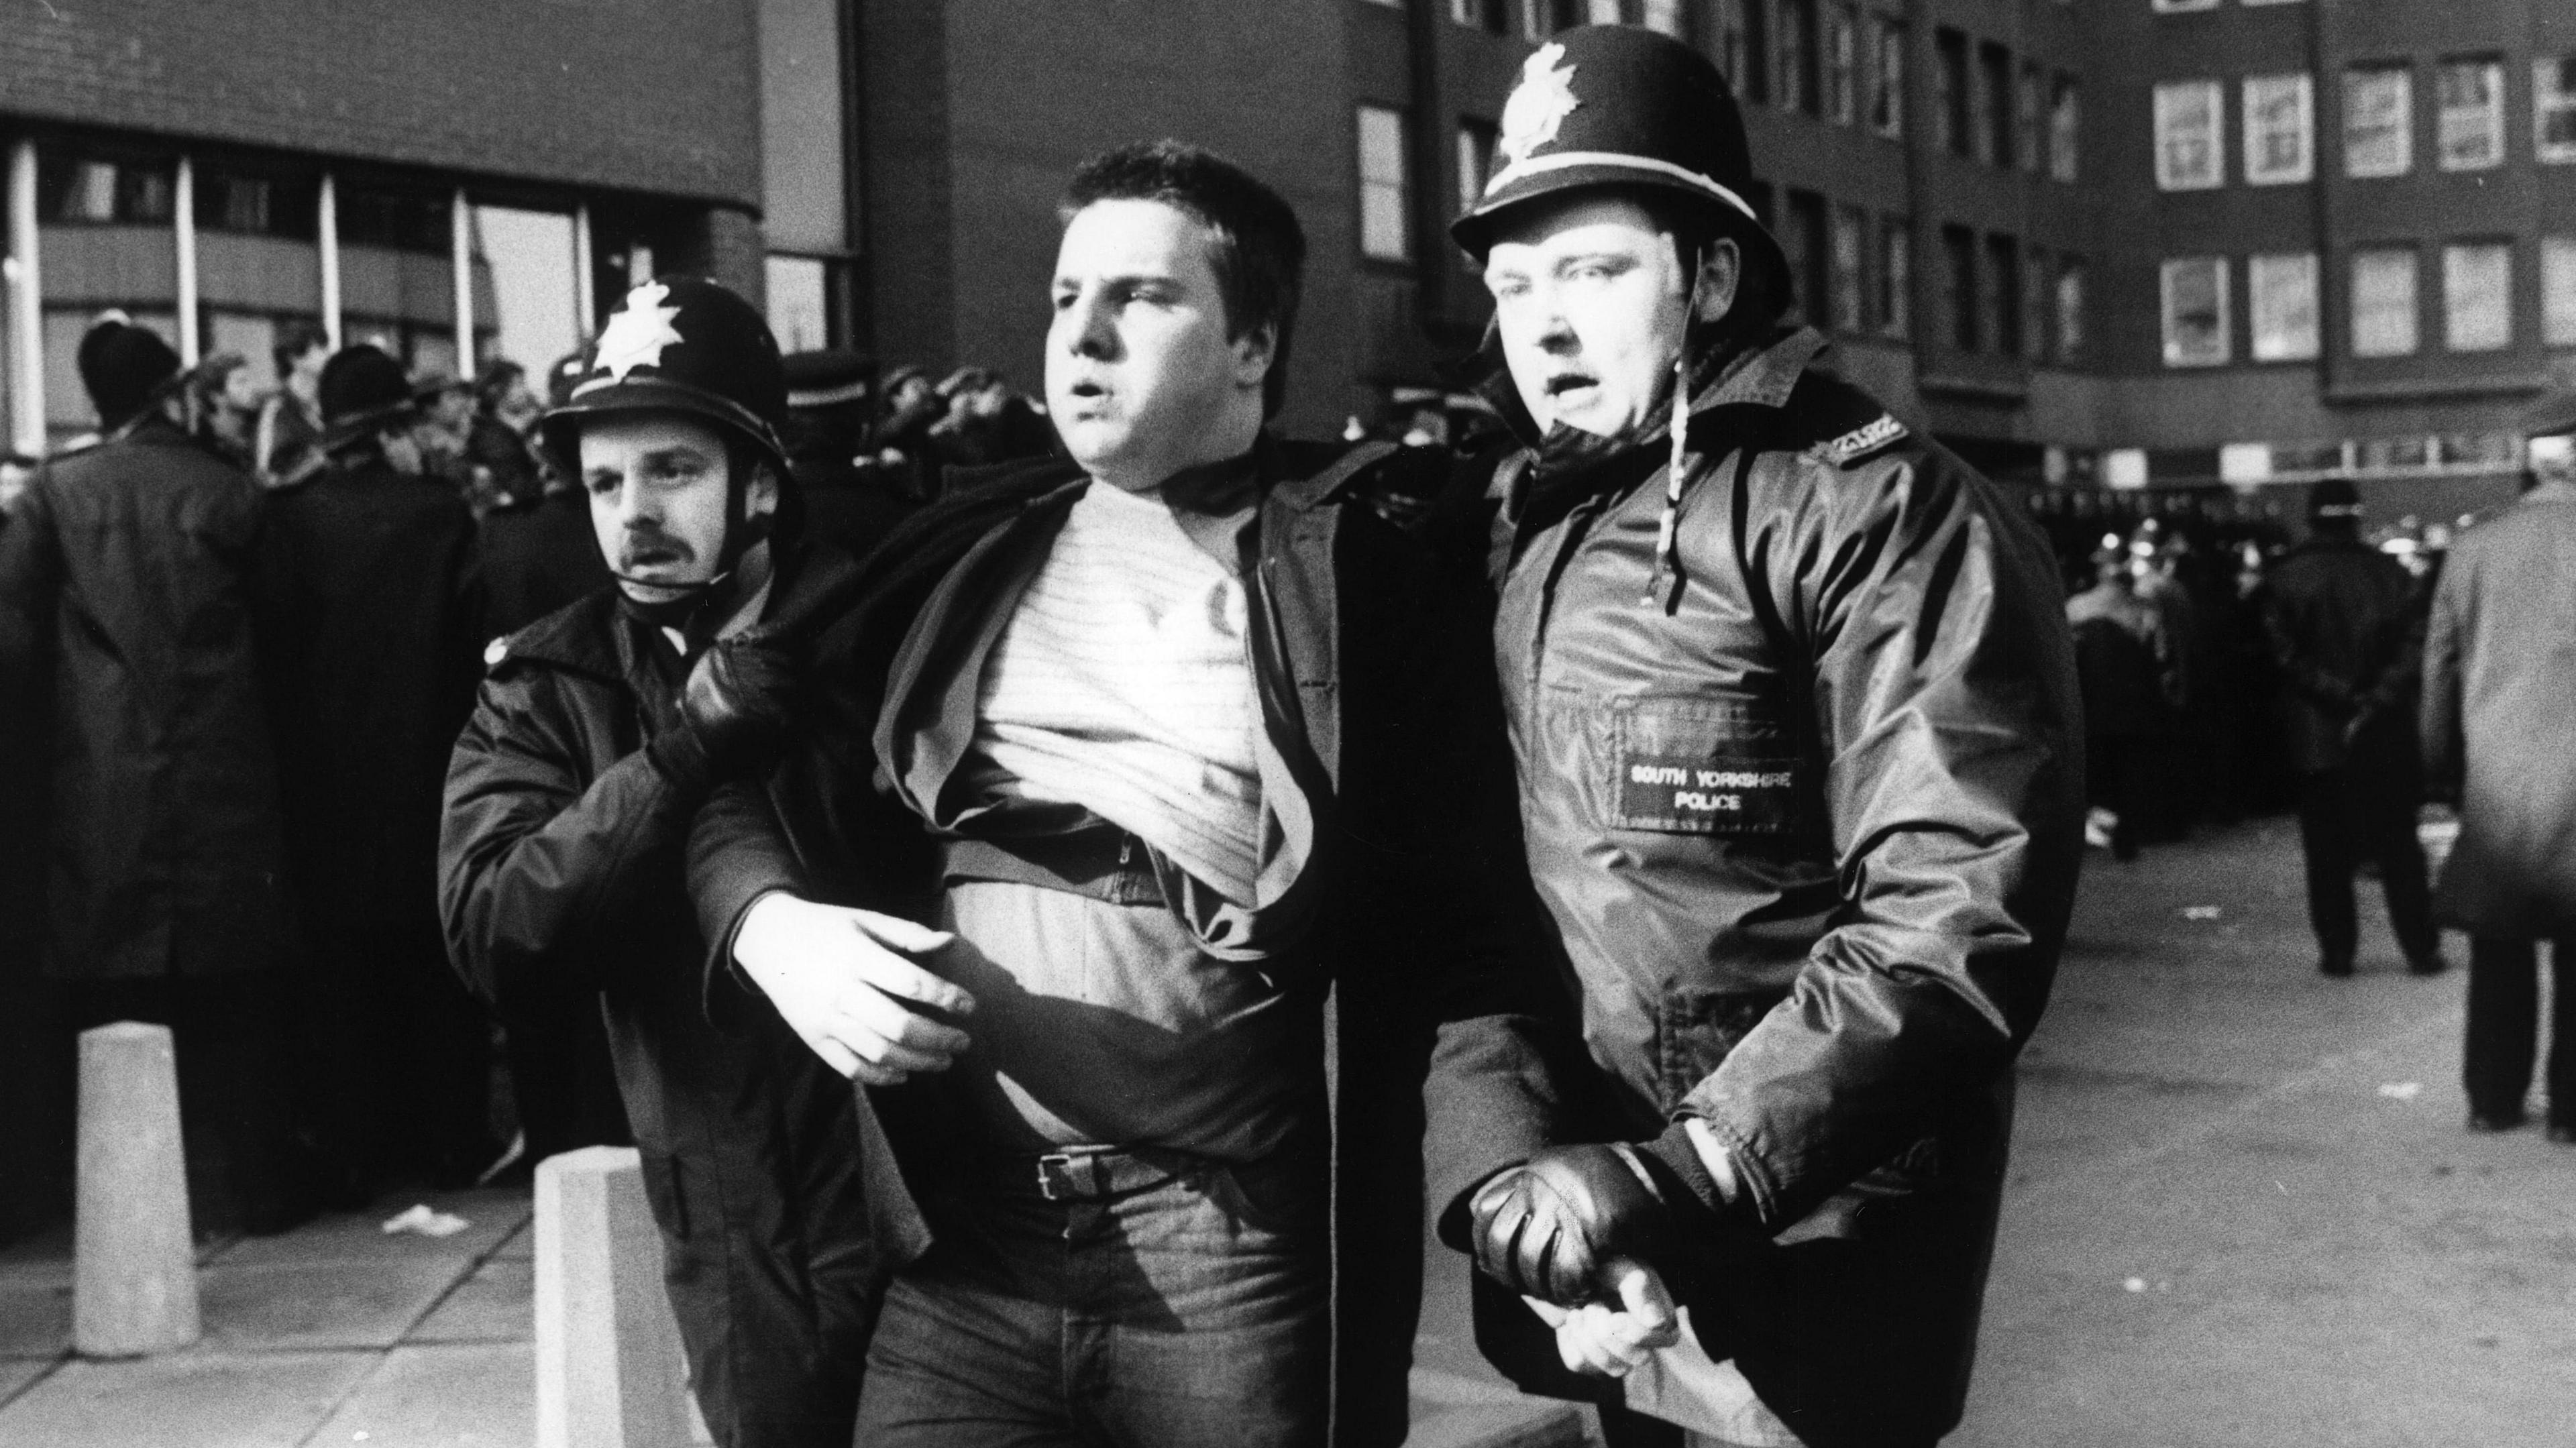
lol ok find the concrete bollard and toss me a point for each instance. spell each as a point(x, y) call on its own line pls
point(608, 1351)
point(134, 1269)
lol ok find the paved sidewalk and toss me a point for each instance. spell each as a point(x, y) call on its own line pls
point(338, 1333)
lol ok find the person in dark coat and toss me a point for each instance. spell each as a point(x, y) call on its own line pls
point(369, 622)
point(1193, 726)
point(2499, 695)
point(2124, 659)
point(1801, 764)
point(851, 497)
point(137, 773)
point(2346, 631)
point(287, 442)
point(594, 740)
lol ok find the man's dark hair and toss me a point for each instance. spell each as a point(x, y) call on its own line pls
point(298, 339)
point(1762, 293)
point(1255, 246)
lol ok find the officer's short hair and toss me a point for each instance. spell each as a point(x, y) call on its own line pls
point(298, 339)
point(1255, 247)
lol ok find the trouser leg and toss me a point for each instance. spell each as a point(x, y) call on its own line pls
point(2401, 872)
point(441, 1069)
point(2503, 1006)
point(2325, 837)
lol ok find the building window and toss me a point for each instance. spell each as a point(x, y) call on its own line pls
point(1384, 185)
point(1887, 77)
point(1489, 16)
point(1959, 285)
point(1842, 65)
point(2278, 151)
point(2003, 294)
point(79, 189)
point(256, 205)
point(1994, 105)
point(1797, 76)
point(1950, 95)
point(2378, 121)
point(1475, 162)
point(1743, 49)
point(2477, 296)
point(2383, 302)
point(2169, 7)
point(2553, 109)
point(2190, 136)
point(798, 300)
point(2195, 311)
point(1896, 279)
point(2036, 295)
point(2469, 135)
point(1601, 12)
point(2558, 291)
point(2070, 310)
point(2065, 121)
point(2283, 303)
point(1666, 17)
point(1843, 288)
point(2027, 146)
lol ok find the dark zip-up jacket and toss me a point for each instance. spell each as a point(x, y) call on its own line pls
point(561, 873)
point(1375, 651)
point(1803, 793)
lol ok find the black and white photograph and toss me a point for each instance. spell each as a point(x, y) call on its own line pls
point(1287, 724)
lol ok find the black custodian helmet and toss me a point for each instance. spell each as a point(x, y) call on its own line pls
point(1616, 105)
point(678, 344)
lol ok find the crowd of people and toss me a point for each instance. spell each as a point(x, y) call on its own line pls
point(1673, 788)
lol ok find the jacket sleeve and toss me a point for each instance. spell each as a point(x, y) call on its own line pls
point(31, 575)
point(738, 852)
point(1928, 618)
point(531, 862)
point(2329, 692)
point(2438, 717)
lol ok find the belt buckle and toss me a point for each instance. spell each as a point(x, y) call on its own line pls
point(1056, 1171)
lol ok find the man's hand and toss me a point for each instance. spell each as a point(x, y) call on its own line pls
point(735, 711)
point(839, 983)
point(1607, 1341)
point(1551, 1227)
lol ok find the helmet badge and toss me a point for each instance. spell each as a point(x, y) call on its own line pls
point(1539, 104)
point(636, 336)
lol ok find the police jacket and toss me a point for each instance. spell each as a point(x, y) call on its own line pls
point(1801, 785)
point(1376, 653)
point(560, 873)
point(2346, 629)
point(138, 781)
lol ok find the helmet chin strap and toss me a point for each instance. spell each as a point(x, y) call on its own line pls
point(1667, 546)
point(713, 595)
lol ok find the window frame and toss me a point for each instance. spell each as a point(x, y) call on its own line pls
point(2067, 310)
point(2412, 314)
point(1401, 185)
point(2401, 125)
point(2266, 274)
point(2065, 128)
point(2558, 289)
point(2168, 98)
point(1895, 279)
point(2175, 352)
point(2553, 95)
point(1887, 76)
point(2254, 91)
point(2447, 117)
point(2500, 337)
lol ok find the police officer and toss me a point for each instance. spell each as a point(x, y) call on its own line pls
point(599, 731)
point(1800, 756)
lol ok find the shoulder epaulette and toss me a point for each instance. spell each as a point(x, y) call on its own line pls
point(1837, 423)
point(1860, 442)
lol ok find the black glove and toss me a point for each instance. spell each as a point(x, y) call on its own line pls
point(735, 711)
point(1550, 1227)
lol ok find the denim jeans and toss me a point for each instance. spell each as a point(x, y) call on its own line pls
point(1187, 1313)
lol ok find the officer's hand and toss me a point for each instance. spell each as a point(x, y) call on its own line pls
point(1550, 1227)
point(1607, 1341)
point(735, 710)
point(837, 979)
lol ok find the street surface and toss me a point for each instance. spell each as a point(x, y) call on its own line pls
point(2242, 1212)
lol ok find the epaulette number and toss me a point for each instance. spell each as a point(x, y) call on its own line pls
point(1860, 442)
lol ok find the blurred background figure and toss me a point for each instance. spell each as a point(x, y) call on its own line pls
point(223, 407)
point(288, 442)
point(137, 775)
point(2124, 662)
point(495, 430)
point(850, 497)
point(16, 469)
point(370, 628)
point(2345, 625)
point(987, 422)
point(2499, 698)
point(912, 406)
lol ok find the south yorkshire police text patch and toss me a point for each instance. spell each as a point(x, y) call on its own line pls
point(1696, 794)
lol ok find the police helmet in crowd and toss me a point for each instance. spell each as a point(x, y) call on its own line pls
point(2334, 501)
point(363, 391)
point(125, 368)
point(832, 377)
point(1615, 105)
point(679, 344)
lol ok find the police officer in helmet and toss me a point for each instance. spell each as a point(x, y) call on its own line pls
point(600, 730)
point(1800, 760)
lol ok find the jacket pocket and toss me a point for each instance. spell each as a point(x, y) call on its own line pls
point(1703, 767)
